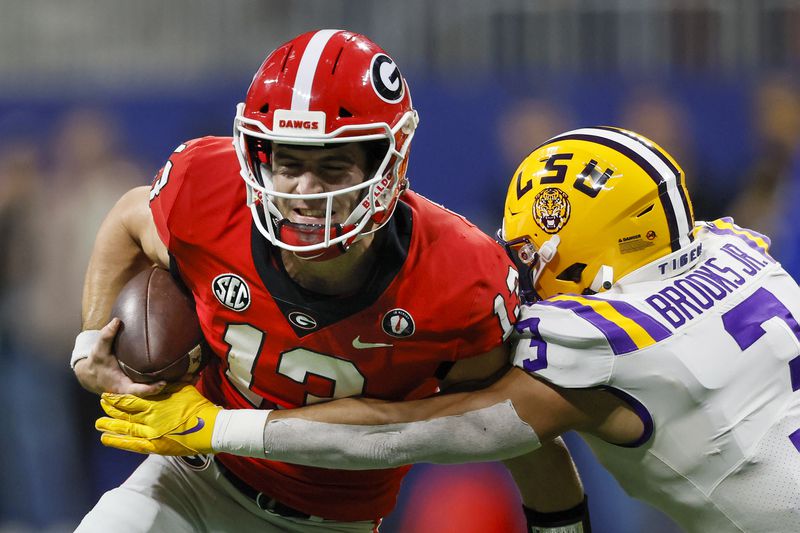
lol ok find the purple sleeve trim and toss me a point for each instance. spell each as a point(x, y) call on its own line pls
point(640, 410)
point(756, 234)
point(750, 242)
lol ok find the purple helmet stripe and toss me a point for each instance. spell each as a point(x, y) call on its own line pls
point(678, 216)
point(659, 154)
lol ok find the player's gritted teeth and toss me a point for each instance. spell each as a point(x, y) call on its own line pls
point(310, 216)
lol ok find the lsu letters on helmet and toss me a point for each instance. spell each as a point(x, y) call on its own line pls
point(592, 205)
point(323, 87)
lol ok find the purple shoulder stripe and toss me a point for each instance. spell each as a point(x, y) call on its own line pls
point(653, 327)
point(618, 338)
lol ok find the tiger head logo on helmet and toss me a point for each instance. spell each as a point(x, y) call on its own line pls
point(591, 206)
point(551, 209)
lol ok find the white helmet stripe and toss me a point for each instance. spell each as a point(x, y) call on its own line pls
point(308, 68)
point(673, 203)
point(681, 179)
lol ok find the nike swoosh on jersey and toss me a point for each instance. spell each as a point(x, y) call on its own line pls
point(197, 427)
point(357, 344)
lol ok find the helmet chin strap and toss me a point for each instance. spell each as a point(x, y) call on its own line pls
point(603, 280)
point(544, 255)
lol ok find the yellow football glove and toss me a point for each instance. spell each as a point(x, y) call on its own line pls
point(180, 421)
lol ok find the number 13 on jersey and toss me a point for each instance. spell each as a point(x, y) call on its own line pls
point(329, 376)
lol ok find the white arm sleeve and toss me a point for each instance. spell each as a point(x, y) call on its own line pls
point(487, 434)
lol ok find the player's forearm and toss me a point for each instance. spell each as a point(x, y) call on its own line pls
point(536, 403)
point(547, 478)
point(467, 427)
point(502, 421)
point(372, 412)
point(118, 254)
point(552, 494)
point(494, 432)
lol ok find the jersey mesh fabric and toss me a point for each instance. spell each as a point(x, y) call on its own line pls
point(766, 482)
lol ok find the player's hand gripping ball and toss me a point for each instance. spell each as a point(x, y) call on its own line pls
point(160, 336)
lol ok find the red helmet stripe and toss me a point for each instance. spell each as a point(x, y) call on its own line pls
point(301, 96)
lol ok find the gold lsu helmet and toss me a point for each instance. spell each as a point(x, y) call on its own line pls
point(591, 205)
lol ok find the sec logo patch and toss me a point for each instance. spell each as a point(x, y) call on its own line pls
point(231, 291)
point(398, 323)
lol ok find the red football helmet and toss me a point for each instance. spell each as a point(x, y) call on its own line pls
point(326, 86)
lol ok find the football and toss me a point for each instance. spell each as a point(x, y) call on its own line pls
point(160, 336)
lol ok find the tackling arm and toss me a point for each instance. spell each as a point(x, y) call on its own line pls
point(522, 401)
point(552, 493)
point(351, 434)
point(505, 420)
point(546, 478)
point(548, 410)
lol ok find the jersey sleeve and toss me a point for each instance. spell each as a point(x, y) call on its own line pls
point(168, 196)
point(555, 342)
point(494, 304)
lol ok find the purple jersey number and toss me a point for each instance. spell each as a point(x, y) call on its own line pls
point(744, 321)
point(540, 361)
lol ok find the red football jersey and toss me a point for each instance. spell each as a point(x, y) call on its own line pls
point(441, 291)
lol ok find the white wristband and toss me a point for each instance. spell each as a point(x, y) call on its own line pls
point(240, 432)
point(84, 343)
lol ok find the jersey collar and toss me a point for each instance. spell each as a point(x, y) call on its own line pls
point(667, 266)
point(326, 310)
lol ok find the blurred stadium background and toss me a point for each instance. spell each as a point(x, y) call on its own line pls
point(94, 95)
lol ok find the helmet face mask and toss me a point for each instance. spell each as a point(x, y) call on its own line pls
point(312, 92)
point(595, 204)
point(529, 261)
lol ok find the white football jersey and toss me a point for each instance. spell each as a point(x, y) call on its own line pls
point(710, 360)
